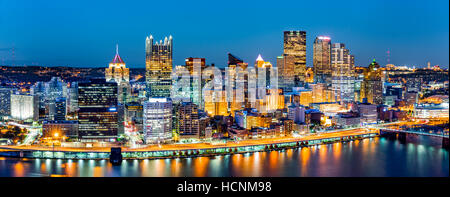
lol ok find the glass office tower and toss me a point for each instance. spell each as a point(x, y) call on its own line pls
point(158, 65)
point(343, 73)
point(322, 60)
point(97, 116)
point(295, 47)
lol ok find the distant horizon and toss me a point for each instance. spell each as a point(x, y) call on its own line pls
point(69, 33)
point(143, 67)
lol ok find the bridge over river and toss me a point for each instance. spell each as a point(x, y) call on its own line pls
point(401, 132)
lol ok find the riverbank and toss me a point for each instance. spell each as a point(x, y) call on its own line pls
point(185, 150)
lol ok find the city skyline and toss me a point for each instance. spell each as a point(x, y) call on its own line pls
point(67, 43)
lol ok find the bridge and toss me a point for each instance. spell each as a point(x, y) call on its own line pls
point(402, 134)
point(443, 134)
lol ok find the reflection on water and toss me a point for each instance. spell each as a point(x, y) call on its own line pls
point(368, 157)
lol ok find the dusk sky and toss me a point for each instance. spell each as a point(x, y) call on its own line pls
point(84, 33)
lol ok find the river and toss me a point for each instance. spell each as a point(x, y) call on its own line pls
point(373, 157)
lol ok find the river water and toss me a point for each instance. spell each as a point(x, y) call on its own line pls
point(373, 157)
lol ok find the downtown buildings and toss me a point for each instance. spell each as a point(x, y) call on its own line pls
point(200, 101)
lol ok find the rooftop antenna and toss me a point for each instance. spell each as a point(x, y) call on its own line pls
point(388, 57)
point(117, 48)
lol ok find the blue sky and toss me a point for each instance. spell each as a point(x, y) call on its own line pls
point(84, 33)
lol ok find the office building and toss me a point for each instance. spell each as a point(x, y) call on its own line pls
point(343, 73)
point(296, 113)
point(157, 119)
point(158, 65)
point(98, 113)
point(117, 71)
point(286, 75)
point(195, 66)
point(60, 109)
point(5, 101)
point(368, 113)
point(372, 85)
point(64, 128)
point(294, 46)
point(187, 117)
point(24, 107)
point(322, 59)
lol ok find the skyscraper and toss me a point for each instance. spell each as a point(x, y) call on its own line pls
point(72, 98)
point(195, 67)
point(60, 108)
point(295, 46)
point(343, 73)
point(24, 107)
point(158, 65)
point(188, 120)
point(372, 85)
point(5, 101)
point(322, 59)
point(97, 116)
point(286, 75)
point(236, 83)
point(117, 70)
point(118, 73)
point(157, 120)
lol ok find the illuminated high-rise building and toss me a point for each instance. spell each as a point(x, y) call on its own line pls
point(195, 66)
point(343, 73)
point(117, 70)
point(372, 84)
point(188, 120)
point(60, 108)
point(157, 117)
point(322, 59)
point(98, 112)
point(47, 93)
point(24, 107)
point(286, 75)
point(72, 97)
point(158, 65)
point(295, 46)
point(5, 101)
point(263, 74)
point(236, 83)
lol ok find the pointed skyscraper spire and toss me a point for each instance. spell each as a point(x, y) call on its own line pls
point(259, 58)
point(117, 58)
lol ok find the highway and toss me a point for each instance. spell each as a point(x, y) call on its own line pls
point(175, 147)
point(229, 144)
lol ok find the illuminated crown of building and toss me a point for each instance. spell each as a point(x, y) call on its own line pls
point(117, 70)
